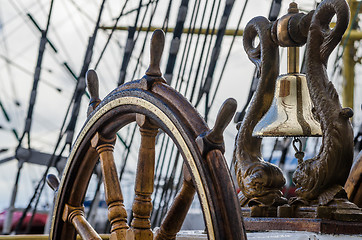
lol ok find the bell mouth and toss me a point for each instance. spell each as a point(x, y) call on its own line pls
point(290, 114)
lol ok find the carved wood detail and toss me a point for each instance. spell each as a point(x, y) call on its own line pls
point(117, 214)
point(142, 205)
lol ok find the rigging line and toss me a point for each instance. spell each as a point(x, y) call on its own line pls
point(254, 83)
point(197, 41)
point(273, 150)
point(30, 223)
point(80, 9)
point(38, 190)
point(182, 79)
point(216, 50)
point(167, 16)
point(193, 19)
point(128, 149)
point(164, 188)
point(200, 59)
point(41, 31)
point(15, 17)
point(28, 72)
point(6, 115)
point(186, 51)
point(96, 192)
point(129, 47)
point(37, 26)
point(33, 21)
point(228, 54)
point(159, 162)
point(61, 43)
point(173, 193)
point(8, 68)
point(207, 59)
point(77, 96)
point(170, 187)
point(84, 21)
point(146, 36)
point(80, 88)
point(159, 167)
point(71, 17)
point(136, 9)
point(110, 35)
point(145, 39)
point(19, 14)
point(195, 10)
point(167, 145)
point(33, 95)
point(176, 39)
point(87, 95)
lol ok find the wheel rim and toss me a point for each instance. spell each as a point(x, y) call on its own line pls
point(152, 109)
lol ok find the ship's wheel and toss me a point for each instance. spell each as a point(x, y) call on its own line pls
point(153, 105)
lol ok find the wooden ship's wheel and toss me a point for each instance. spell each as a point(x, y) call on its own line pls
point(153, 105)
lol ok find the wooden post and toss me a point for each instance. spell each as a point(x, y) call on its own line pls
point(75, 215)
point(176, 215)
point(142, 206)
point(348, 61)
point(117, 214)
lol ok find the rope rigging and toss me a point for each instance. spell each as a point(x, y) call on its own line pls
point(189, 33)
point(146, 36)
point(215, 53)
point(33, 95)
point(110, 35)
point(29, 115)
point(195, 78)
point(186, 52)
point(197, 41)
point(129, 47)
point(176, 39)
point(201, 57)
point(228, 54)
point(79, 91)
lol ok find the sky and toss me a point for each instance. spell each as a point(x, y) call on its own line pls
point(71, 25)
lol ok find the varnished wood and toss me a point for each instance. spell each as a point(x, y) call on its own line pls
point(353, 184)
point(53, 181)
point(175, 217)
point(214, 139)
point(93, 88)
point(151, 103)
point(117, 214)
point(142, 205)
point(157, 44)
point(75, 215)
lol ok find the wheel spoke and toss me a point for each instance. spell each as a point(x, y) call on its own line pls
point(117, 214)
point(142, 205)
point(175, 217)
point(75, 215)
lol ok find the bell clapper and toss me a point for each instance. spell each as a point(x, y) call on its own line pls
point(299, 154)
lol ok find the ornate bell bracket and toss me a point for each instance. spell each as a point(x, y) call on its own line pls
point(318, 180)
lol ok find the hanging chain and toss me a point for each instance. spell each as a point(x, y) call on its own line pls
point(299, 154)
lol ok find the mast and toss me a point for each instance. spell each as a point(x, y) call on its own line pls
point(28, 121)
point(348, 57)
point(76, 100)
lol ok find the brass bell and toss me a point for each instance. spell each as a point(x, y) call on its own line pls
point(290, 114)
